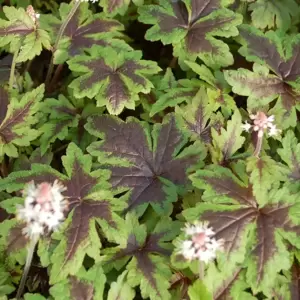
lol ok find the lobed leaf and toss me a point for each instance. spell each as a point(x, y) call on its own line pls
point(83, 30)
point(114, 80)
point(239, 218)
point(279, 54)
point(16, 120)
point(145, 162)
point(89, 200)
point(191, 26)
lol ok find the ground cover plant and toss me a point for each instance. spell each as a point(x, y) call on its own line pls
point(150, 149)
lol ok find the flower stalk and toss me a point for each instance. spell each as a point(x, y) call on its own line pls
point(261, 124)
point(42, 213)
point(59, 36)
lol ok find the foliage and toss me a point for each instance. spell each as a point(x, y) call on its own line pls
point(152, 114)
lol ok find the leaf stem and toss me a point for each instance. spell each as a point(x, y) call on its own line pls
point(13, 67)
point(201, 270)
point(258, 146)
point(30, 251)
point(59, 35)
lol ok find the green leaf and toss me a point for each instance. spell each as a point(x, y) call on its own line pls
point(290, 154)
point(114, 80)
point(199, 290)
point(200, 122)
point(17, 119)
point(121, 290)
point(270, 14)
point(183, 91)
point(192, 27)
point(265, 174)
point(144, 161)
point(33, 297)
point(84, 285)
point(227, 141)
point(147, 256)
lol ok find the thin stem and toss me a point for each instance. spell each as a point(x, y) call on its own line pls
point(258, 146)
point(55, 77)
point(201, 270)
point(13, 67)
point(29, 257)
point(59, 35)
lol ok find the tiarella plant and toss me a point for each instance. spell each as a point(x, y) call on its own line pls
point(149, 149)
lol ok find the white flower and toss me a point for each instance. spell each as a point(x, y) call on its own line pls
point(199, 243)
point(246, 126)
point(43, 208)
point(261, 124)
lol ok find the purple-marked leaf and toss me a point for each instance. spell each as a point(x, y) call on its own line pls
point(192, 27)
point(88, 200)
point(17, 118)
point(16, 240)
point(3, 103)
point(81, 290)
point(85, 285)
point(295, 282)
point(84, 30)
point(114, 78)
point(200, 122)
point(22, 29)
point(223, 291)
point(113, 7)
point(151, 162)
point(5, 65)
point(290, 154)
point(146, 256)
point(24, 163)
point(234, 217)
point(277, 53)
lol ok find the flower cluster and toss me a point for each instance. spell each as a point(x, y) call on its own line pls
point(261, 123)
point(31, 12)
point(199, 243)
point(43, 208)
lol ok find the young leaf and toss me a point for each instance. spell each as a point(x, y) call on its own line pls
point(115, 80)
point(270, 14)
point(227, 142)
point(20, 28)
point(121, 290)
point(265, 174)
point(198, 288)
point(16, 120)
point(191, 26)
point(269, 52)
point(6, 286)
point(147, 163)
point(28, 296)
point(24, 162)
point(84, 30)
point(184, 90)
point(89, 200)
point(290, 154)
point(200, 122)
point(218, 88)
point(118, 6)
point(84, 285)
point(237, 216)
point(147, 255)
